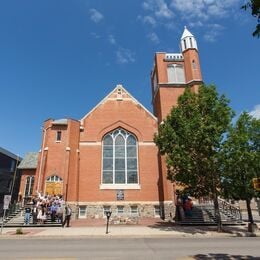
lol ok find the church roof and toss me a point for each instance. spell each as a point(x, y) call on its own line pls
point(186, 33)
point(119, 93)
point(29, 161)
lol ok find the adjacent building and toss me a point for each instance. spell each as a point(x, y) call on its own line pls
point(9, 175)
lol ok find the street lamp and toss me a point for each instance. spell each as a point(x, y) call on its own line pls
point(108, 214)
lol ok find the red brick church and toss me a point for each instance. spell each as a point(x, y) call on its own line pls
point(107, 160)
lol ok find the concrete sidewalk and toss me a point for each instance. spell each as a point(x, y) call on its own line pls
point(160, 229)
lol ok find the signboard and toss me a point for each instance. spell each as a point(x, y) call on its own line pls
point(120, 195)
point(7, 199)
point(256, 184)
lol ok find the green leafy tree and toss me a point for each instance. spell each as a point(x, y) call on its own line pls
point(254, 5)
point(191, 137)
point(241, 160)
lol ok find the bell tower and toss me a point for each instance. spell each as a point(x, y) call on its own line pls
point(172, 73)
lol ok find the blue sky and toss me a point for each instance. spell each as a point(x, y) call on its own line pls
point(59, 58)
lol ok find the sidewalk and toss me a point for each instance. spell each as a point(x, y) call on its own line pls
point(147, 228)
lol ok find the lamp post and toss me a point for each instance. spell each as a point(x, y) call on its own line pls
point(108, 214)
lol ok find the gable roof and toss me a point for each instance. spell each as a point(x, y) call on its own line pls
point(29, 161)
point(115, 95)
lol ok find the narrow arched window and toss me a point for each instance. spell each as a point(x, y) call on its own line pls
point(119, 158)
point(29, 186)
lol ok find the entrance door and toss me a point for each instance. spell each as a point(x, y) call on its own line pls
point(54, 185)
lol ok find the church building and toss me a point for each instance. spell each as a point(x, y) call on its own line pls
point(108, 160)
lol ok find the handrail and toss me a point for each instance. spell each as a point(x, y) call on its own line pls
point(228, 208)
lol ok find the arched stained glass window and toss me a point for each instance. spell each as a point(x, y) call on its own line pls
point(119, 158)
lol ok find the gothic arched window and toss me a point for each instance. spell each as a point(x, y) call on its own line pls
point(119, 158)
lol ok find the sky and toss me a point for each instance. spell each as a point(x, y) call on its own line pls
point(60, 58)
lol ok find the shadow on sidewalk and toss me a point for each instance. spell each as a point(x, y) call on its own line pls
point(168, 226)
point(222, 257)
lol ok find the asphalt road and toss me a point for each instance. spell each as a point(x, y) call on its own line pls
point(130, 248)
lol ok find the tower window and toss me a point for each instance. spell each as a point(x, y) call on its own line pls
point(119, 158)
point(175, 73)
point(185, 45)
point(191, 45)
point(194, 66)
point(58, 136)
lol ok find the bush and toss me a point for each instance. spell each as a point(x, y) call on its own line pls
point(19, 231)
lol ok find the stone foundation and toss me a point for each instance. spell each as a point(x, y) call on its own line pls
point(161, 210)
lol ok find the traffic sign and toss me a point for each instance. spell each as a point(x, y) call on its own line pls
point(256, 184)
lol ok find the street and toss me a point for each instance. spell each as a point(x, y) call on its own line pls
point(130, 248)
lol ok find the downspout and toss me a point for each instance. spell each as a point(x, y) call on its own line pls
point(41, 160)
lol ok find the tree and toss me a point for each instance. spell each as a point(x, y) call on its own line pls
point(241, 157)
point(254, 5)
point(191, 137)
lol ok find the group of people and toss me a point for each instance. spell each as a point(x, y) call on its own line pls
point(184, 207)
point(43, 207)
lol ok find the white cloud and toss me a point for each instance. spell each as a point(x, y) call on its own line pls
point(162, 10)
point(111, 39)
point(205, 9)
point(124, 56)
point(95, 35)
point(255, 112)
point(153, 37)
point(149, 20)
point(95, 15)
point(159, 8)
point(213, 32)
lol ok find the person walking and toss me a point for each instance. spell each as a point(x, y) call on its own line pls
point(67, 215)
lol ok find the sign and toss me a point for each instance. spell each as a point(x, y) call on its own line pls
point(7, 199)
point(256, 184)
point(120, 195)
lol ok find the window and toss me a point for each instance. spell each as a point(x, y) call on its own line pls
point(54, 178)
point(120, 209)
point(185, 45)
point(58, 136)
point(194, 65)
point(134, 210)
point(119, 158)
point(29, 186)
point(191, 45)
point(82, 211)
point(157, 211)
point(155, 85)
point(175, 73)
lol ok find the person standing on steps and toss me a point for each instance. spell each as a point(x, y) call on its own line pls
point(27, 215)
point(67, 215)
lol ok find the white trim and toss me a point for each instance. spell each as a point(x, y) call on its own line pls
point(194, 80)
point(121, 202)
point(90, 143)
point(147, 144)
point(119, 186)
point(107, 98)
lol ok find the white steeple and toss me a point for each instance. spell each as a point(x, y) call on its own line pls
point(188, 41)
